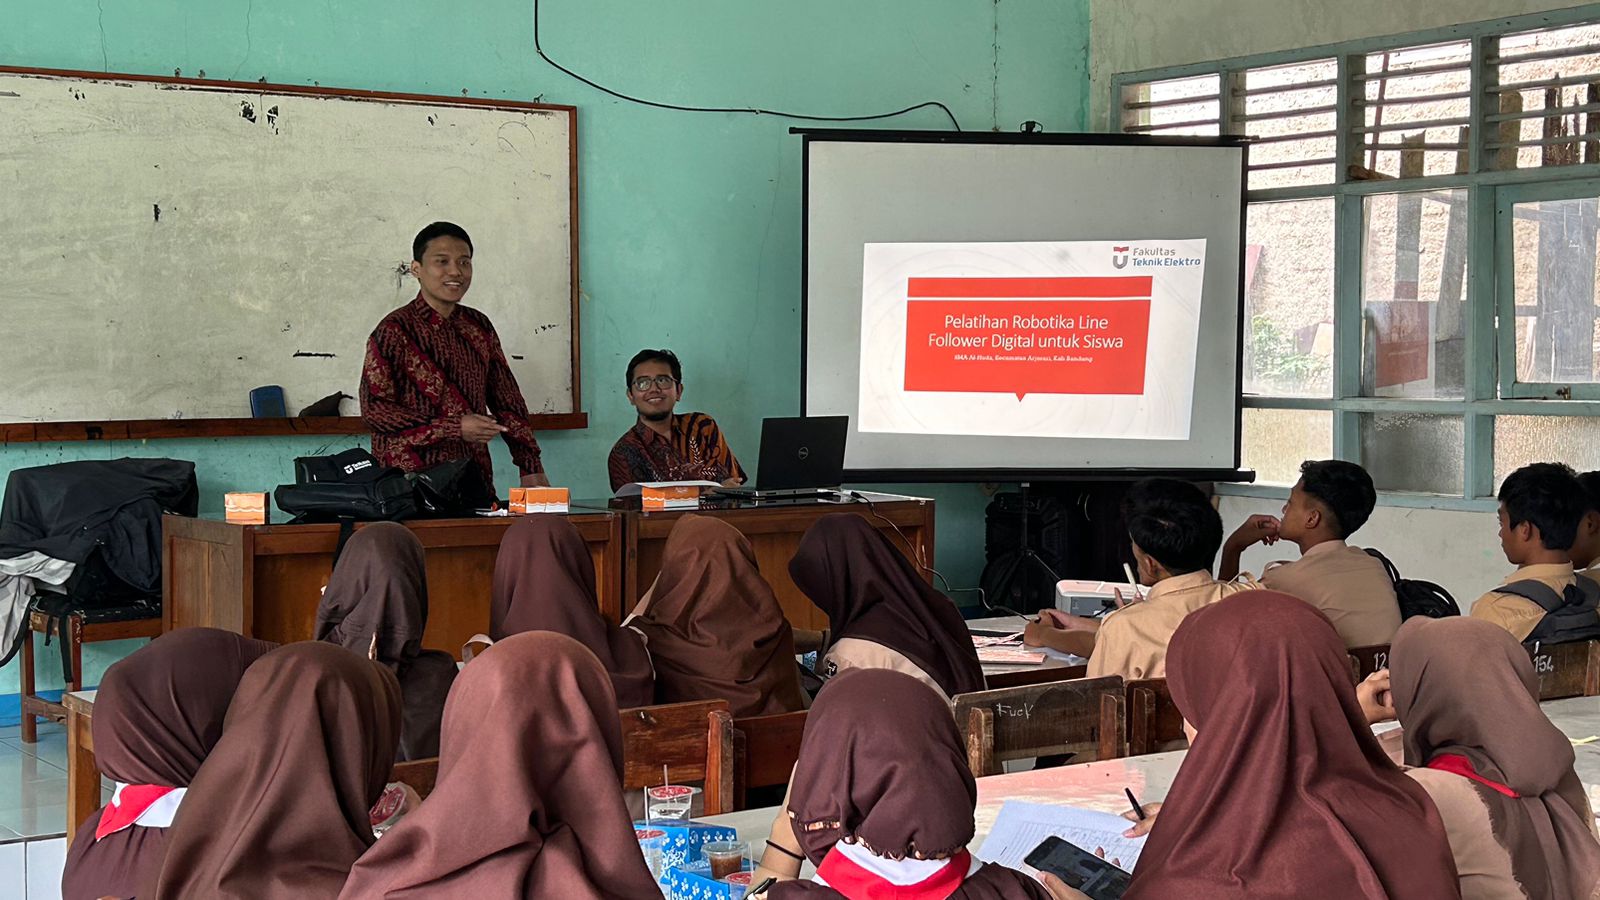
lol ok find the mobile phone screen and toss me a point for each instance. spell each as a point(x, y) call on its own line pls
point(1079, 868)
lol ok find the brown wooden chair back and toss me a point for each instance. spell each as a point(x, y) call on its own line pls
point(694, 741)
point(766, 749)
point(1567, 670)
point(1366, 660)
point(1154, 723)
point(418, 774)
point(1085, 716)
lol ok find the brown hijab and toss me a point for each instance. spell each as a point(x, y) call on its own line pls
point(882, 765)
point(280, 809)
point(714, 628)
point(379, 588)
point(544, 581)
point(539, 779)
point(157, 715)
point(1466, 687)
point(1284, 792)
point(870, 591)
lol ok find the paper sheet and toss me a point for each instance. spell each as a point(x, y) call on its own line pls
point(1021, 826)
point(1010, 656)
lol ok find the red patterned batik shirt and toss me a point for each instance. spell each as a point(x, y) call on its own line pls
point(695, 452)
point(423, 372)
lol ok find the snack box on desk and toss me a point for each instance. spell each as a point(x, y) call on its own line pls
point(528, 501)
point(685, 838)
point(694, 882)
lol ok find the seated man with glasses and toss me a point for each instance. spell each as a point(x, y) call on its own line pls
point(666, 447)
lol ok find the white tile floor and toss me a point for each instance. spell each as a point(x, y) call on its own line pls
point(33, 813)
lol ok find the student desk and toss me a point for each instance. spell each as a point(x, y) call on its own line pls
point(999, 675)
point(774, 529)
point(1098, 785)
point(264, 581)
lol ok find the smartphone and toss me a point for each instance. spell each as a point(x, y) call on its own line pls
point(1079, 868)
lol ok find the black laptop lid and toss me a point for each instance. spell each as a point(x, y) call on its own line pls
point(802, 452)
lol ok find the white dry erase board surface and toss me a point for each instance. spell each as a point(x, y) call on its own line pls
point(177, 243)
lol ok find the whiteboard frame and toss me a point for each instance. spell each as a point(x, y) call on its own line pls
point(125, 429)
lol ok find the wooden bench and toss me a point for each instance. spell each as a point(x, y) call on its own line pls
point(1154, 723)
point(76, 630)
point(1083, 716)
point(1020, 676)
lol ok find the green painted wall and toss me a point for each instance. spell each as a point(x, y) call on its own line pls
point(690, 222)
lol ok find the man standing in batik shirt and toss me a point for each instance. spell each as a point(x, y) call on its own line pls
point(662, 446)
point(435, 385)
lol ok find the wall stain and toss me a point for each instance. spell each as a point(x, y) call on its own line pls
point(303, 354)
point(246, 111)
point(157, 208)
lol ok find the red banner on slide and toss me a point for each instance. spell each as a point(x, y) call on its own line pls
point(1059, 345)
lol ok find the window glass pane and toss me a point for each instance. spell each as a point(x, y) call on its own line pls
point(1288, 111)
point(1525, 107)
point(1413, 111)
point(1519, 440)
point(1175, 106)
point(1553, 258)
point(1289, 298)
point(1413, 452)
point(1277, 441)
point(1413, 294)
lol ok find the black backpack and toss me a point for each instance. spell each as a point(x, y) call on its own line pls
point(1572, 615)
point(1417, 598)
point(346, 487)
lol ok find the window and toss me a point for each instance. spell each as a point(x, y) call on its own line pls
point(1422, 263)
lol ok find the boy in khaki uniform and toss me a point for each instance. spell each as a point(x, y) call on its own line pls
point(1175, 534)
point(1586, 546)
point(1541, 506)
point(1330, 502)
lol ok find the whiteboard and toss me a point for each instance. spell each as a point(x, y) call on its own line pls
point(175, 244)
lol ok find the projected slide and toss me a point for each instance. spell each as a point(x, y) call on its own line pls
point(1072, 339)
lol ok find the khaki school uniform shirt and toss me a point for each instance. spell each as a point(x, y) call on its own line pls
point(1350, 586)
point(1483, 864)
point(858, 653)
point(1132, 641)
point(1520, 615)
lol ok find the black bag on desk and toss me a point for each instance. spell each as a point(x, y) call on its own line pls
point(454, 488)
point(349, 486)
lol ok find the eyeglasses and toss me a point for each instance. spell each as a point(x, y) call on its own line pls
point(664, 382)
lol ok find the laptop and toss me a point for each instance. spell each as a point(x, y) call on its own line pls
point(801, 457)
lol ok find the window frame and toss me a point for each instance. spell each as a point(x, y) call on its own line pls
point(1487, 286)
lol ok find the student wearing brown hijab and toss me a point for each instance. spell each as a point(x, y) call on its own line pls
point(713, 626)
point(538, 778)
point(1284, 791)
point(882, 799)
point(280, 810)
point(544, 581)
point(379, 589)
point(881, 613)
point(157, 715)
point(1501, 775)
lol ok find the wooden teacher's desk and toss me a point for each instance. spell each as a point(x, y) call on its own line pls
point(264, 581)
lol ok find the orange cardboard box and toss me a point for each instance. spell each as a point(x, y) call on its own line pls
point(525, 501)
point(677, 496)
point(246, 508)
